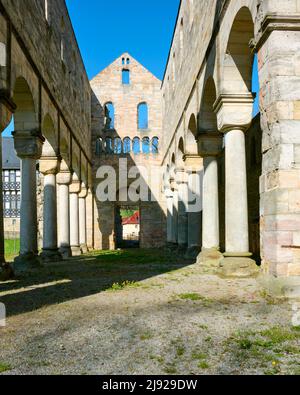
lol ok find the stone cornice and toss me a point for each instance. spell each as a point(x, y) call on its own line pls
point(233, 98)
point(276, 22)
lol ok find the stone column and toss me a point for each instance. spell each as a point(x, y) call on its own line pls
point(49, 168)
point(234, 118)
point(75, 189)
point(169, 198)
point(82, 219)
point(28, 146)
point(182, 185)
point(64, 179)
point(90, 220)
point(210, 146)
point(194, 169)
point(174, 213)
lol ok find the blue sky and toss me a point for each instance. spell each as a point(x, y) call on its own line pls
point(105, 29)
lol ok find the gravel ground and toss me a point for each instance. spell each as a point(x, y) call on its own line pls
point(140, 312)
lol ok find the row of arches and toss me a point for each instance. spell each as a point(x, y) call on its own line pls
point(142, 116)
point(117, 146)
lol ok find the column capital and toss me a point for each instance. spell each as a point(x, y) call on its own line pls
point(75, 186)
point(64, 177)
point(84, 191)
point(234, 111)
point(210, 144)
point(49, 165)
point(193, 162)
point(28, 144)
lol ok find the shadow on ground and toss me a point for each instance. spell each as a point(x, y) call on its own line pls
point(84, 276)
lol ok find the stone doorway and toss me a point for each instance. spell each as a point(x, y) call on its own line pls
point(127, 226)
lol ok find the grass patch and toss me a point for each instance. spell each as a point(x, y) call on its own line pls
point(12, 249)
point(191, 296)
point(124, 285)
point(203, 365)
point(146, 336)
point(271, 348)
point(4, 367)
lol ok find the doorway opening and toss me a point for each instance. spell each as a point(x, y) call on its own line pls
point(128, 227)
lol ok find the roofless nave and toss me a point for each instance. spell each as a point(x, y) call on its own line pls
point(199, 120)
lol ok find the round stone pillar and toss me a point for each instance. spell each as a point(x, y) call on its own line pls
point(75, 189)
point(210, 146)
point(194, 169)
point(28, 146)
point(64, 179)
point(82, 219)
point(49, 168)
point(237, 238)
point(174, 225)
point(234, 114)
point(182, 186)
point(169, 198)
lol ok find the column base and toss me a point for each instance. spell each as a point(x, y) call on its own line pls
point(171, 246)
point(75, 251)
point(84, 249)
point(27, 261)
point(6, 272)
point(65, 252)
point(51, 256)
point(238, 266)
point(192, 252)
point(210, 257)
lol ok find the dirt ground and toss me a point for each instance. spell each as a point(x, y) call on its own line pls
point(143, 312)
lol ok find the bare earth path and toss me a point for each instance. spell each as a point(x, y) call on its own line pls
point(140, 312)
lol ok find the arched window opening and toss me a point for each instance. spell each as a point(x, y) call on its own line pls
point(126, 145)
point(127, 61)
point(109, 122)
point(154, 145)
point(123, 61)
point(108, 145)
point(146, 145)
point(99, 147)
point(255, 86)
point(125, 77)
point(143, 117)
point(117, 146)
point(136, 146)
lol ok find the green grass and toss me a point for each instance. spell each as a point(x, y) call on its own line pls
point(270, 348)
point(10, 250)
point(191, 296)
point(124, 285)
point(4, 367)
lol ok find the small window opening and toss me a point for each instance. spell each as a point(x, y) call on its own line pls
point(125, 77)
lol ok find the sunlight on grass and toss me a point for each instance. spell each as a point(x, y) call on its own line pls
point(12, 248)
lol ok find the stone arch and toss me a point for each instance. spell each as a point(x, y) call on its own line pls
point(118, 146)
point(239, 57)
point(50, 146)
point(207, 117)
point(191, 136)
point(136, 145)
point(25, 116)
point(180, 154)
